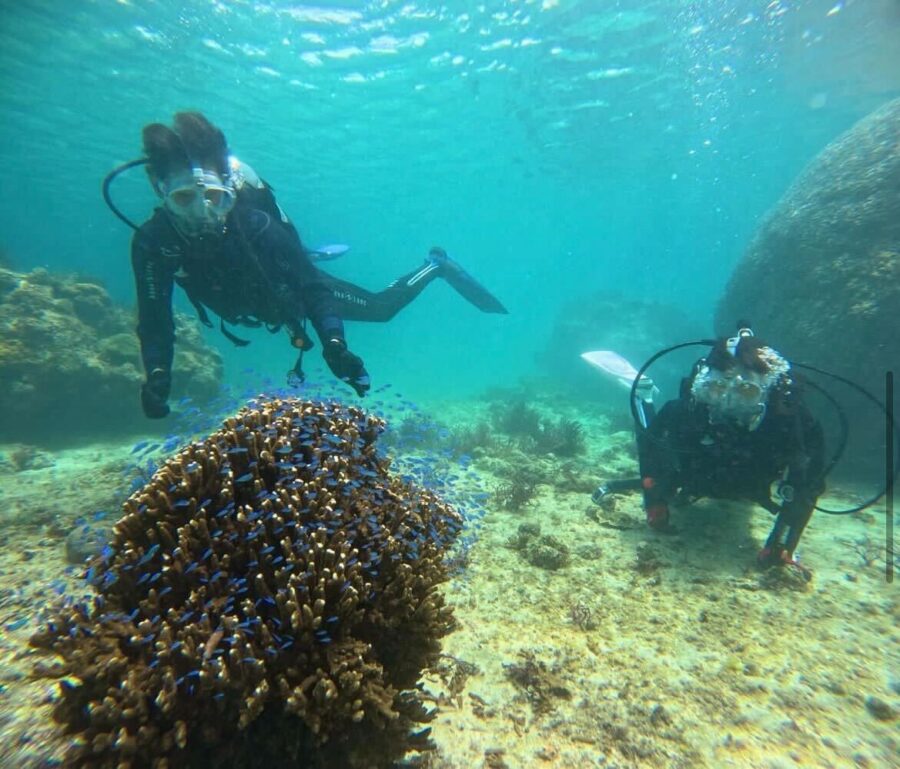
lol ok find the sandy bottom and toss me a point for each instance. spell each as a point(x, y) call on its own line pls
point(644, 650)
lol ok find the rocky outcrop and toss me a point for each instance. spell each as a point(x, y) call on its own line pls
point(634, 328)
point(70, 364)
point(821, 278)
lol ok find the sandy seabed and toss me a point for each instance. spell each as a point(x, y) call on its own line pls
point(644, 650)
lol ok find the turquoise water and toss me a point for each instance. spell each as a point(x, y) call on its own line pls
point(553, 148)
point(558, 150)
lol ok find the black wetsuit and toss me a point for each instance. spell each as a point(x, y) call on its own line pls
point(682, 453)
point(256, 273)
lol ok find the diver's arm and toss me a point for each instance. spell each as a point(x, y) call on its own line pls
point(307, 287)
point(298, 281)
point(153, 281)
point(656, 454)
point(805, 476)
point(156, 329)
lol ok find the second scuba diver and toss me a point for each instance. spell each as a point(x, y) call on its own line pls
point(220, 236)
point(738, 430)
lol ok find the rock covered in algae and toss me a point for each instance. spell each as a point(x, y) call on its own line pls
point(70, 364)
point(268, 599)
point(821, 278)
point(634, 328)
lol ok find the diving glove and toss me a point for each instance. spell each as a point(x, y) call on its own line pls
point(155, 393)
point(346, 366)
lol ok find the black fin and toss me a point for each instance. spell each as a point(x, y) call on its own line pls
point(470, 289)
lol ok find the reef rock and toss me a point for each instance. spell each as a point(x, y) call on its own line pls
point(821, 278)
point(631, 327)
point(70, 362)
point(268, 599)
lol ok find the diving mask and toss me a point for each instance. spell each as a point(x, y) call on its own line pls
point(199, 200)
point(739, 395)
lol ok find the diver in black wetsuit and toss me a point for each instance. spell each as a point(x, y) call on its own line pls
point(220, 236)
point(739, 430)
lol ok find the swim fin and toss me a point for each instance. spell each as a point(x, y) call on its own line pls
point(464, 284)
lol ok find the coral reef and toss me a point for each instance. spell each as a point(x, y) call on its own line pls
point(542, 550)
point(70, 362)
point(694, 665)
point(87, 540)
point(821, 277)
point(268, 599)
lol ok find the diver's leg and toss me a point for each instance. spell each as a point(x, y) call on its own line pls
point(357, 303)
point(463, 283)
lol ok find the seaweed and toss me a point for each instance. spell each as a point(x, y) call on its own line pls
point(468, 438)
point(563, 437)
point(539, 684)
point(518, 419)
point(517, 492)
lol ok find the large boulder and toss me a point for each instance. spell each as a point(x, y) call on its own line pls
point(821, 278)
point(70, 363)
point(634, 328)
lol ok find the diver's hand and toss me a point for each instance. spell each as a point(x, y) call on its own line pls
point(346, 366)
point(155, 393)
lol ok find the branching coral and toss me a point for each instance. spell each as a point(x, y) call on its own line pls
point(269, 599)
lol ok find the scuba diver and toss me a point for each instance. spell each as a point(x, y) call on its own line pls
point(738, 430)
point(221, 236)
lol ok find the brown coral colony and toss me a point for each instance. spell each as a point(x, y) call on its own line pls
point(274, 580)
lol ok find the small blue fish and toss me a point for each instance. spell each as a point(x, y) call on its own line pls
point(328, 252)
point(149, 554)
